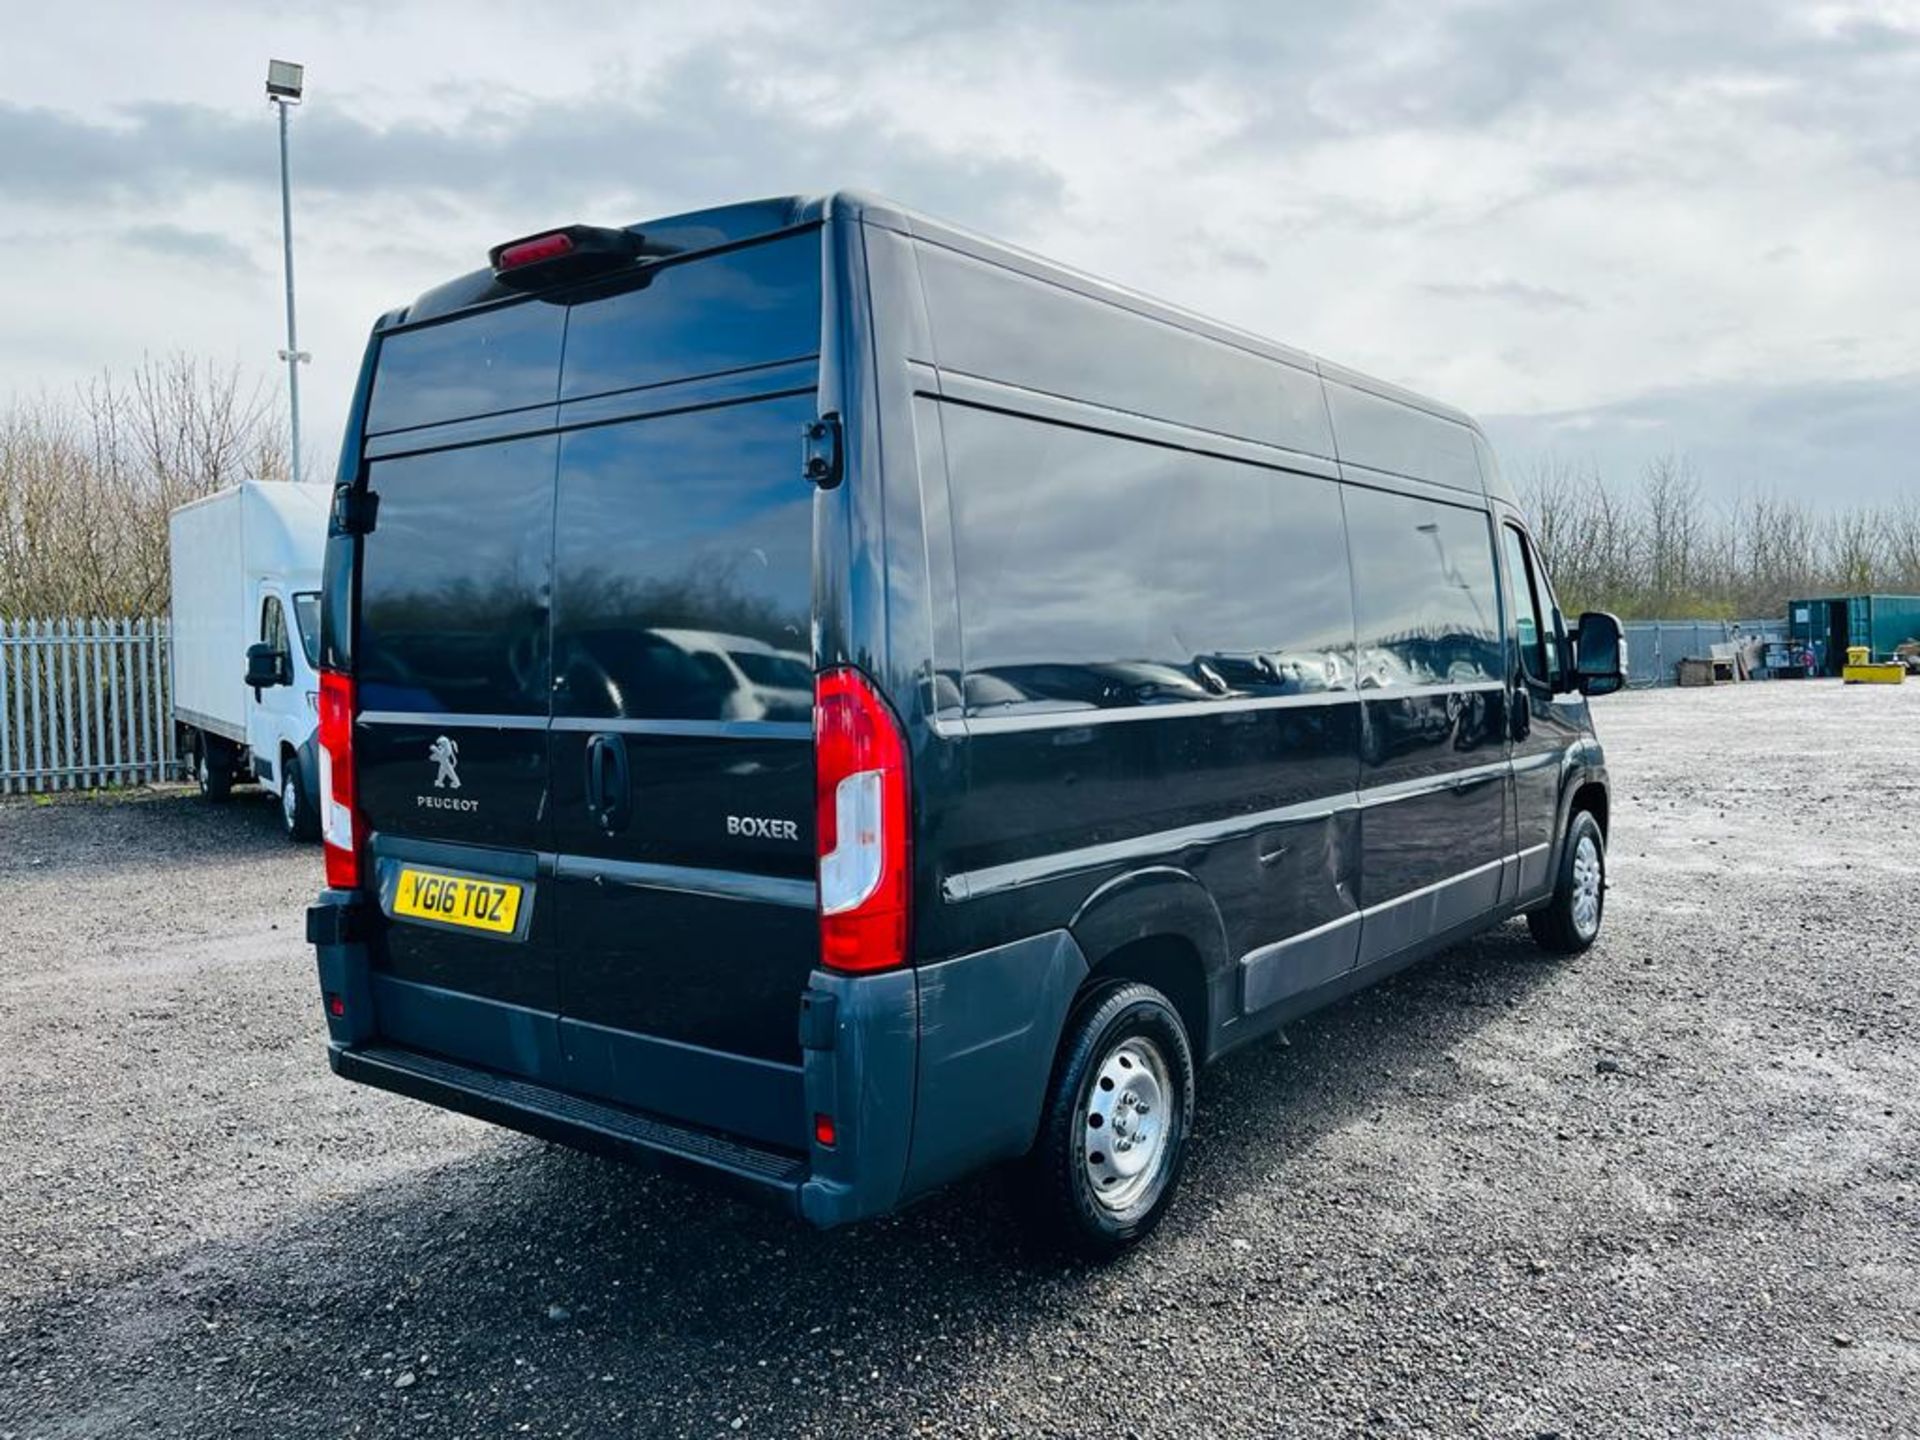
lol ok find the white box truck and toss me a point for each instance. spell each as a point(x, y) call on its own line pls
point(246, 640)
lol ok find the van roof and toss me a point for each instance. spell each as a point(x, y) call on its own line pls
point(731, 224)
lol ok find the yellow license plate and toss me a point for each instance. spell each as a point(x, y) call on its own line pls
point(492, 905)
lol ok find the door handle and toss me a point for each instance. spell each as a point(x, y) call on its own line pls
point(609, 783)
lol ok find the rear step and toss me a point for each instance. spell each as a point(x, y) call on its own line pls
point(768, 1174)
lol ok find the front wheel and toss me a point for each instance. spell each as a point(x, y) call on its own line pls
point(1114, 1132)
point(1570, 921)
point(297, 816)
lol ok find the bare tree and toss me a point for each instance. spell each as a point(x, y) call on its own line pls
point(87, 480)
point(1661, 549)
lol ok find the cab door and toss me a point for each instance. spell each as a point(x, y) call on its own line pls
point(1543, 723)
point(274, 710)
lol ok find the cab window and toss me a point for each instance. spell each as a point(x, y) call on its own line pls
point(1535, 620)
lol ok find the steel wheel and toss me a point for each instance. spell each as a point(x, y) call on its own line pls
point(1106, 1163)
point(290, 805)
point(1586, 887)
point(1130, 1127)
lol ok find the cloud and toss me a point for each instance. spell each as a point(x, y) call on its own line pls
point(1512, 292)
point(702, 130)
point(199, 247)
point(1837, 441)
point(1624, 224)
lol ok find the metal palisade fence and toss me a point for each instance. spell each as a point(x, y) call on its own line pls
point(84, 703)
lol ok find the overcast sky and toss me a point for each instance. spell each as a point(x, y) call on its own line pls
point(1608, 229)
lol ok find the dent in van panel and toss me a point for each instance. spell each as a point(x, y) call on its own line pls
point(1001, 325)
point(1383, 434)
point(502, 359)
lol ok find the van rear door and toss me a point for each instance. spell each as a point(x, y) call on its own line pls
point(584, 667)
point(450, 744)
point(681, 749)
point(683, 761)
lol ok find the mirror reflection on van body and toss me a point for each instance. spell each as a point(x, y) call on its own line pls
point(830, 703)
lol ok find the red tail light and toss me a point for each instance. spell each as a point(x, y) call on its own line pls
point(860, 826)
point(339, 820)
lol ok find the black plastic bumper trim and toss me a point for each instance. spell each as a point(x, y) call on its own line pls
point(767, 1174)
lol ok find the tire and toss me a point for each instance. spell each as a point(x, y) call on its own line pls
point(1124, 1069)
point(297, 816)
point(1570, 922)
point(212, 768)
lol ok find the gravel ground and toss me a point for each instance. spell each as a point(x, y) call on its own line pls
point(1668, 1188)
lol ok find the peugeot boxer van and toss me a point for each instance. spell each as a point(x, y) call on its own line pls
point(829, 702)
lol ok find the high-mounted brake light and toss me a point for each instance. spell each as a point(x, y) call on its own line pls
point(339, 820)
point(527, 252)
point(860, 825)
point(573, 252)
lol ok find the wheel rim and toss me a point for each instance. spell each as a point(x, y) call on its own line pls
point(1586, 886)
point(200, 770)
point(1127, 1131)
point(289, 804)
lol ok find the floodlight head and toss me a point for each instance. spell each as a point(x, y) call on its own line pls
point(285, 80)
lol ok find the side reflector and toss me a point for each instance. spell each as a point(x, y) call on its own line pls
point(823, 1131)
point(861, 815)
point(339, 822)
point(336, 1007)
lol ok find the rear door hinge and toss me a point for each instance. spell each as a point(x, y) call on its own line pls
point(354, 510)
point(822, 451)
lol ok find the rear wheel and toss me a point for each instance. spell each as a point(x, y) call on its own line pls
point(1113, 1136)
point(1570, 922)
point(297, 816)
point(212, 767)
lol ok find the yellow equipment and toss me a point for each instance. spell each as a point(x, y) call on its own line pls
point(1861, 670)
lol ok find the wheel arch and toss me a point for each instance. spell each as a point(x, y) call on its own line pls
point(1161, 927)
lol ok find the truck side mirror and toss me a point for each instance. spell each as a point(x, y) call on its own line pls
point(1600, 654)
point(266, 666)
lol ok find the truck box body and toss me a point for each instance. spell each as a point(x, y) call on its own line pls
point(771, 681)
point(222, 549)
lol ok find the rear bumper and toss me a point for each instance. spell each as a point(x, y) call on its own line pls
point(766, 1174)
point(926, 1073)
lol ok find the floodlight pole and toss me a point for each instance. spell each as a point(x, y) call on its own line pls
point(293, 354)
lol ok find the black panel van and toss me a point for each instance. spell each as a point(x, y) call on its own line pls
point(830, 702)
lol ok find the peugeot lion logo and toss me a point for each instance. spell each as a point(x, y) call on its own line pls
point(446, 754)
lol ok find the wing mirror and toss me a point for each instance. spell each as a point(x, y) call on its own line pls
point(1599, 654)
point(267, 665)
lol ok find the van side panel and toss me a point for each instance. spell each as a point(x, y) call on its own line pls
point(989, 321)
point(1155, 645)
